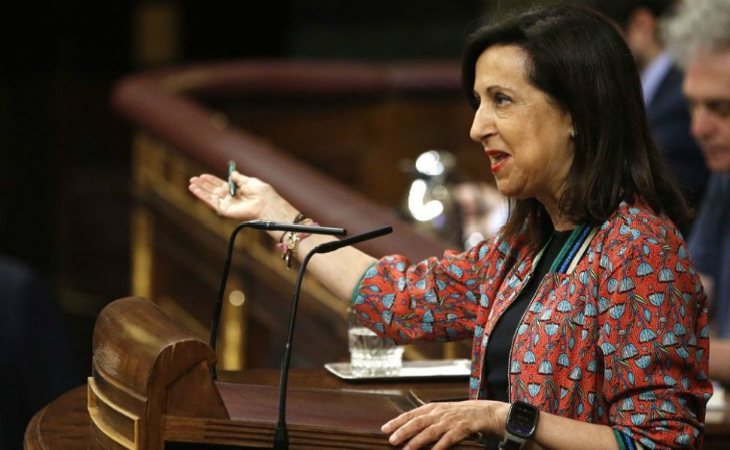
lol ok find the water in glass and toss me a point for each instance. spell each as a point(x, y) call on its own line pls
point(371, 355)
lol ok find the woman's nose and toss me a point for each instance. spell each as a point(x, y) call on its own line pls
point(482, 126)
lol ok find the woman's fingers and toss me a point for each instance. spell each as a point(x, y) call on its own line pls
point(211, 183)
point(207, 195)
point(409, 424)
point(398, 422)
point(211, 190)
point(449, 439)
point(440, 432)
point(201, 193)
point(423, 430)
point(442, 423)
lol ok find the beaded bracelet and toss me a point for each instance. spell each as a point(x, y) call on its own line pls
point(289, 242)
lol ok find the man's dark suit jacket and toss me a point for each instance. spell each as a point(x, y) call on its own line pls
point(36, 358)
point(669, 121)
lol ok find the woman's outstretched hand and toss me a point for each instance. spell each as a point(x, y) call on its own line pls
point(253, 199)
point(446, 423)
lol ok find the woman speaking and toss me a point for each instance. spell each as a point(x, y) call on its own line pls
point(588, 320)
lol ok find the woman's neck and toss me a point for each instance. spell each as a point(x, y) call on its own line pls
point(559, 220)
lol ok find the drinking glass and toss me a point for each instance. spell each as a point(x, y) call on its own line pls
point(371, 355)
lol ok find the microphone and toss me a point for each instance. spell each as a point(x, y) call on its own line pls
point(276, 226)
point(258, 225)
point(281, 435)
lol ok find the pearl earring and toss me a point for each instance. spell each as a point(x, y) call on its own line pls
point(572, 133)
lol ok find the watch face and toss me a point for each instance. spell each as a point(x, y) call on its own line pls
point(522, 419)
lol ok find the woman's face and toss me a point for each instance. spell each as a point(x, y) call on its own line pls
point(526, 137)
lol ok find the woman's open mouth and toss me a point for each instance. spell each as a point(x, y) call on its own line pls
point(498, 159)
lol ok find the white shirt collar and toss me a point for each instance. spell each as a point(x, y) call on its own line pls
point(653, 75)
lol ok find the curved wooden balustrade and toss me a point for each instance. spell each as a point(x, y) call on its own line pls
point(164, 104)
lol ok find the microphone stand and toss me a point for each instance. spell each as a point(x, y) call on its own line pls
point(260, 225)
point(281, 435)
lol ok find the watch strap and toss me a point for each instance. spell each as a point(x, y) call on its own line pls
point(511, 442)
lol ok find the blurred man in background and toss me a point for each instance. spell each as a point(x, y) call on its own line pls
point(661, 79)
point(699, 36)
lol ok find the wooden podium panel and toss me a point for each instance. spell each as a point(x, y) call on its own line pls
point(316, 418)
point(151, 384)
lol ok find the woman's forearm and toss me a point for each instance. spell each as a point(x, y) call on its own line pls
point(338, 271)
point(560, 433)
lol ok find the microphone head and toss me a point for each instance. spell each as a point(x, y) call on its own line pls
point(336, 245)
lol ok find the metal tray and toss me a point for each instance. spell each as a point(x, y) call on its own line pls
point(433, 368)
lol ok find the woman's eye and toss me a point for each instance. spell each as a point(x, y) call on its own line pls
point(501, 99)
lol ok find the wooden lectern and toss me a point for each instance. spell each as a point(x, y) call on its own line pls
point(151, 384)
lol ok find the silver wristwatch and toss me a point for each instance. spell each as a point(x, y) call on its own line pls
point(521, 425)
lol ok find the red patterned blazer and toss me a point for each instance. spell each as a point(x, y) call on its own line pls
point(621, 340)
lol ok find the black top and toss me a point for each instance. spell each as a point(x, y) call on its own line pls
point(500, 341)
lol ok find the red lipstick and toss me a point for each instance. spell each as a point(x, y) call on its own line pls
point(498, 159)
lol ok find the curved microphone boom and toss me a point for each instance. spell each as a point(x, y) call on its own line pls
point(281, 436)
point(258, 225)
